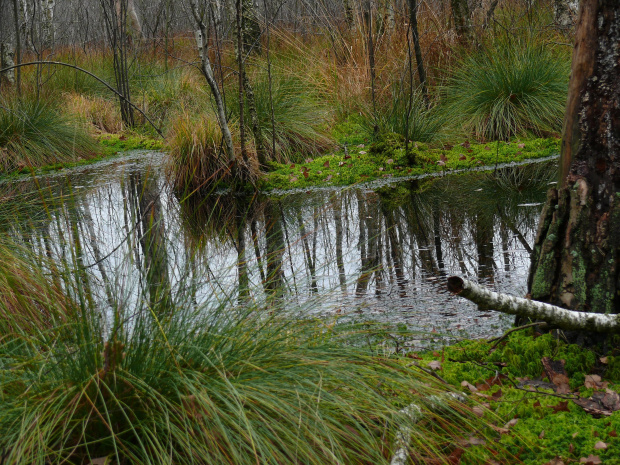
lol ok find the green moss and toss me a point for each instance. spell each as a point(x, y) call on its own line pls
point(522, 353)
point(386, 158)
point(114, 143)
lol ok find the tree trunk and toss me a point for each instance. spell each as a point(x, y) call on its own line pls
point(207, 71)
point(564, 13)
point(48, 32)
point(576, 256)
point(413, 19)
point(462, 18)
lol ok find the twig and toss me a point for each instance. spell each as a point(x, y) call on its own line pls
point(94, 76)
point(499, 339)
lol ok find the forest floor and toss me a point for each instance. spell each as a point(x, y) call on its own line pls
point(571, 418)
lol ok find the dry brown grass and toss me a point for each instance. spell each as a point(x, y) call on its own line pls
point(103, 114)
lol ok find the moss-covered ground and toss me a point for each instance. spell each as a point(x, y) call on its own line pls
point(109, 145)
point(362, 161)
point(549, 424)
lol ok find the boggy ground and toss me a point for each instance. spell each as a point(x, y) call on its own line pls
point(572, 418)
point(359, 159)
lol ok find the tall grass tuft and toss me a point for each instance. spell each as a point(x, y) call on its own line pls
point(301, 119)
point(196, 159)
point(513, 87)
point(405, 114)
point(34, 134)
point(168, 384)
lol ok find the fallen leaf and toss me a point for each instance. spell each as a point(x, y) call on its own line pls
point(469, 386)
point(478, 411)
point(326, 164)
point(511, 423)
point(604, 360)
point(308, 160)
point(594, 382)
point(435, 365)
point(363, 152)
point(474, 441)
point(486, 147)
point(294, 179)
point(497, 394)
point(571, 448)
point(575, 435)
point(100, 461)
point(462, 157)
point(521, 146)
point(341, 163)
point(306, 174)
point(455, 457)
point(466, 144)
point(381, 168)
point(292, 165)
point(555, 461)
point(536, 404)
point(328, 178)
point(600, 445)
point(389, 161)
point(347, 156)
point(542, 434)
point(590, 460)
point(361, 146)
point(561, 407)
point(500, 430)
point(613, 434)
point(443, 158)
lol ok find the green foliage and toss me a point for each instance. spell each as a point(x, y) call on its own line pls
point(34, 134)
point(386, 158)
point(513, 87)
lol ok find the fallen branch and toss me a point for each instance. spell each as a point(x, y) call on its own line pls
point(551, 314)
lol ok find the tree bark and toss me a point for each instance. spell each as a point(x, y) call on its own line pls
point(576, 257)
point(462, 18)
point(413, 19)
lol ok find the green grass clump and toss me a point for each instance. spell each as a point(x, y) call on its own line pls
point(387, 158)
point(405, 114)
point(165, 383)
point(514, 87)
point(34, 134)
point(301, 119)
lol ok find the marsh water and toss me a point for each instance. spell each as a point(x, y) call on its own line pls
point(378, 253)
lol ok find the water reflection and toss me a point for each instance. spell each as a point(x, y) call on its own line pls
point(377, 254)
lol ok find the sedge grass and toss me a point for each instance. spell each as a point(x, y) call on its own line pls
point(34, 134)
point(165, 383)
point(514, 87)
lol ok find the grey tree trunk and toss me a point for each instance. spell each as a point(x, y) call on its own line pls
point(48, 31)
point(207, 71)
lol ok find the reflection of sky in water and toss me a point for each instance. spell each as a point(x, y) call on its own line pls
point(373, 255)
